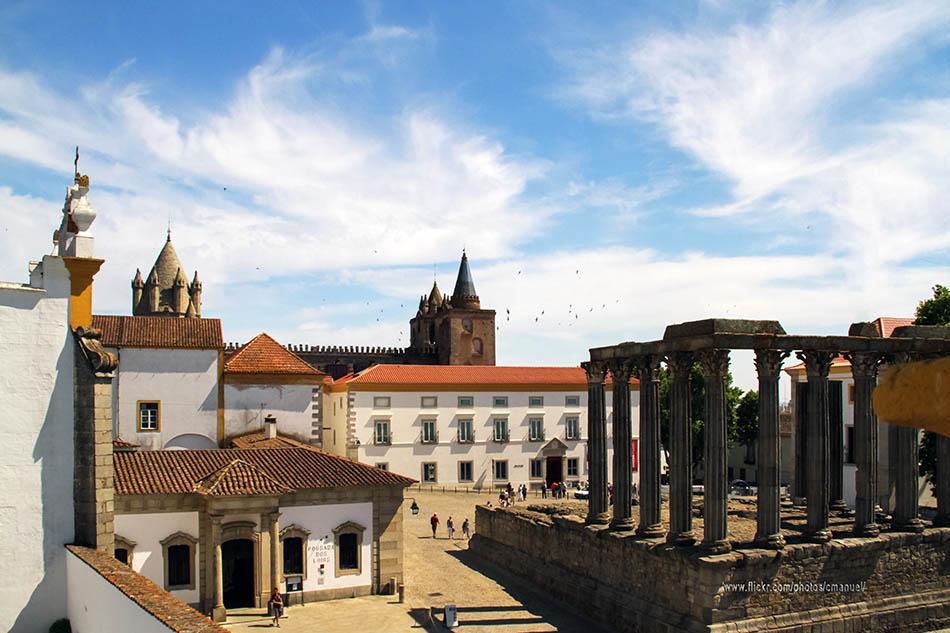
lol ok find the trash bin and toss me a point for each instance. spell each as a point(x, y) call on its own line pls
point(451, 616)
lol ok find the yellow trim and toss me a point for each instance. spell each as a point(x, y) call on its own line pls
point(138, 416)
point(491, 388)
point(221, 398)
point(81, 271)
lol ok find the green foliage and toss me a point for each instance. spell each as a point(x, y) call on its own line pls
point(747, 418)
point(935, 311)
point(60, 626)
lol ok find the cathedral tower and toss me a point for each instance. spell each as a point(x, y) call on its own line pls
point(166, 292)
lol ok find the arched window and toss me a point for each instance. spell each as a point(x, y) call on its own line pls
point(123, 550)
point(348, 541)
point(477, 347)
point(294, 539)
point(178, 551)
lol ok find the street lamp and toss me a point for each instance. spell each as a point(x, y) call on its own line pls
point(414, 508)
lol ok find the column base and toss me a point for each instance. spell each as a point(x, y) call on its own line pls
point(942, 520)
point(720, 546)
point(681, 538)
point(839, 505)
point(771, 541)
point(912, 525)
point(219, 614)
point(651, 531)
point(601, 518)
point(819, 536)
point(871, 530)
point(623, 525)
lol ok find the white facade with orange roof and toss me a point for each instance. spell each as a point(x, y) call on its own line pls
point(475, 426)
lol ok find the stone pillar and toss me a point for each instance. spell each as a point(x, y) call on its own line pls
point(623, 440)
point(715, 364)
point(864, 370)
point(817, 366)
point(768, 364)
point(942, 479)
point(218, 614)
point(681, 450)
point(648, 370)
point(906, 517)
point(800, 393)
point(836, 446)
point(275, 567)
point(596, 443)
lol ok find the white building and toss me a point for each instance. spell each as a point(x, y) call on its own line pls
point(167, 391)
point(478, 426)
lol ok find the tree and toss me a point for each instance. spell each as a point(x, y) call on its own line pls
point(935, 311)
point(697, 411)
point(747, 423)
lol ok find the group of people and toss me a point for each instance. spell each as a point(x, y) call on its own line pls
point(450, 527)
point(508, 495)
point(558, 490)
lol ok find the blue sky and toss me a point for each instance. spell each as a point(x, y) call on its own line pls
point(620, 166)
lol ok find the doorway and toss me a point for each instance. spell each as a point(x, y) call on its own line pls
point(553, 470)
point(237, 567)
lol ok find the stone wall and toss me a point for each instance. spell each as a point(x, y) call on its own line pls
point(895, 582)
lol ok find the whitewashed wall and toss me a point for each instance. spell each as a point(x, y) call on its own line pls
point(320, 521)
point(407, 453)
point(246, 405)
point(94, 605)
point(186, 383)
point(36, 448)
point(148, 531)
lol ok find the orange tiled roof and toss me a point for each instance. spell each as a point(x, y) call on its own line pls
point(159, 332)
point(264, 355)
point(239, 478)
point(472, 374)
point(256, 439)
point(298, 468)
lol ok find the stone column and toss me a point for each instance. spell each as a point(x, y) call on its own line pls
point(800, 394)
point(768, 364)
point(715, 364)
point(596, 443)
point(648, 370)
point(836, 446)
point(623, 439)
point(864, 370)
point(943, 482)
point(274, 521)
point(218, 614)
point(681, 450)
point(906, 518)
point(817, 366)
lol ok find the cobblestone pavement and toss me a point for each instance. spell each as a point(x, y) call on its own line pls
point(438, 571)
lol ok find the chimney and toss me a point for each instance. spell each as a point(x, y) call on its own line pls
point(270, 427)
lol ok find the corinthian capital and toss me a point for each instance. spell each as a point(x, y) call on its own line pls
point(864, 364)
point(621, 369)
point(817, 363)
point(596, 371)
point(768, 362)
point(715, 363)
point(648, 367)
point(679, 364)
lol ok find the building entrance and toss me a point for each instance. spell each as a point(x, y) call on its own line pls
point(553, 471)
point(237, 566)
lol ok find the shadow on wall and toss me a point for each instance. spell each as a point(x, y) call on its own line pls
point(54, 450)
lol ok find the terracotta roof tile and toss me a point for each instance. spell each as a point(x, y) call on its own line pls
point(256, 439)
point(239, 478)
point(298, 468)
point(264, 355)
point(159, 332)
point(423, 375)
point(166, 608)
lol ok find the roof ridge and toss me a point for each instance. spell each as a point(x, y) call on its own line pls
point(265, 345)
point(215, 477)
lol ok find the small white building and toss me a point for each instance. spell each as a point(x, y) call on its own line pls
point(264, 378)
point(476, 426)
point(167, 392)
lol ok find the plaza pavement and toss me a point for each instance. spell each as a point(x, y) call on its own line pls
point(438, 572)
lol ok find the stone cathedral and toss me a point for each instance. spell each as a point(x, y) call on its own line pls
point(166, 291)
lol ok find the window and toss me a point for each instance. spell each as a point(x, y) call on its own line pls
point(381, 402)
point(573, 425)
point(536, 469)
point(535, 402)
point(501, 469)
point(465, 471)
point(382, 465)
point(123, 549)
point(122, 555)
point(850, 394)
point(467, 325)
point(536, 429)
point(572, 401)
point(465, 431)
point(348, 539)
point(430, 434)
point(500, 402)
point(149, 415)
point(501, 429)
point(477, 346)
point(430, 402)
point(429, 473)
point(849, 445)
point(293, 556)
point(178, 552)
point(466, 402)
point(572, 466)
point(382, 432)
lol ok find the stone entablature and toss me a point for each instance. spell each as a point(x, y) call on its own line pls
point(634, 584)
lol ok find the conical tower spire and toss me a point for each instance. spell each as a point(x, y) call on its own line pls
point(464, 295)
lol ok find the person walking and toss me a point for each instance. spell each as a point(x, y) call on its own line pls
point(450, 526)
point(434, 521)
point(544, 491)
point(276, 603)
point(466, 529)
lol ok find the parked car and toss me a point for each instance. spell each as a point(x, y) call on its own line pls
point(741, 488)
